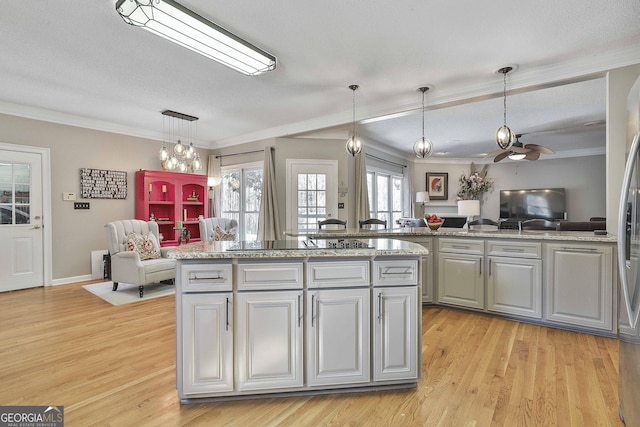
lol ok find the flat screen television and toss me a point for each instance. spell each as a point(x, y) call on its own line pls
point(545, 203)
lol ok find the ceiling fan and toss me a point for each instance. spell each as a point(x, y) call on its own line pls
point(518, 151)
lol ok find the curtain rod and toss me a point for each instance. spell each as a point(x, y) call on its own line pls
point(384, 160)
point(237, 154)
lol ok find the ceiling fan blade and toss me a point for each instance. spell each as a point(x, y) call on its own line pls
point(495, 153)
point(532, 155)
point(519, 150)
point(540, 148)
point(501, 156)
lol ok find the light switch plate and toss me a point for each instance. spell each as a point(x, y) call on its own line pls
point(68, 196)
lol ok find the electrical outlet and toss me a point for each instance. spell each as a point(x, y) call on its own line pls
point(81, 205)
point(340, 205)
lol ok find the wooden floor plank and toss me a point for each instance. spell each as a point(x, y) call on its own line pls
point(116, 366)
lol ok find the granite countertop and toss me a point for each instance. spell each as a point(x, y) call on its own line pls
point(231, 250)
point(577, 236)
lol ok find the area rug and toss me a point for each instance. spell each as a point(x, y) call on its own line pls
point(128, 293)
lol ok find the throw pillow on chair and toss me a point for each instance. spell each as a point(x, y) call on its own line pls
point(147, 245)
point(221, 235)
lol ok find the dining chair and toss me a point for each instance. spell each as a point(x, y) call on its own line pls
point(332, 221)
point(372, 221)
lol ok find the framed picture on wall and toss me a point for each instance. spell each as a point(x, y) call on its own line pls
point(438, 185)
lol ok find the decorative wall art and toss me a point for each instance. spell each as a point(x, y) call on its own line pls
point(102, 184)
point(438, 185)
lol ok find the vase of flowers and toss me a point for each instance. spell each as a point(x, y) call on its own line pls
point(474, 185)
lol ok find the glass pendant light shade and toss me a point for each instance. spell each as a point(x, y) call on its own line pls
point(354, 145)
point(505, 137)
point(179, 149)
point(164, 153)
point(517, 156)
point(423, 147)
point(197, 164)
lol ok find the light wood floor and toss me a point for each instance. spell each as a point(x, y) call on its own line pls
point(115, 366)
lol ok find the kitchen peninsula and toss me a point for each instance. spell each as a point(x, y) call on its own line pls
point(296, 317)
point(563, 279)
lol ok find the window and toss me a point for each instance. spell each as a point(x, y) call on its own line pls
point(312, 192)
point(312, 200)
point(241, 194)
point(385, 195)
point(15, 193)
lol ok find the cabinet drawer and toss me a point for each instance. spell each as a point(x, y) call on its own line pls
point(269, 276)
point(514, 249)
point(338, 274)
point(396, 272)
point(206, 277)
point(461, 246)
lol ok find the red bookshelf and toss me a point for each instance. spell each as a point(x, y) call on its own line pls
point(173, 198)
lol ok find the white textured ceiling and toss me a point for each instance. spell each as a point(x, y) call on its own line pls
point(77, 62)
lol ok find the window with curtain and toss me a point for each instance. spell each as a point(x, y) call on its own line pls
point(241, 192)
point(385, 195)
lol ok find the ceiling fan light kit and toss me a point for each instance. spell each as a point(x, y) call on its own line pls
point(505, 136)
point(354, 145)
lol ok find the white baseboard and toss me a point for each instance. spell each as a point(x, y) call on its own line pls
point(74, 279)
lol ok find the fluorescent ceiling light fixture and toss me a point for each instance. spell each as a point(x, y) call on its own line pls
point(174, 22)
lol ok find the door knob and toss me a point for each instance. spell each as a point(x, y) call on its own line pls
point(35, 227)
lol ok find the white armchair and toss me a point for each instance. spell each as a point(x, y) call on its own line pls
point(126, 265)
point(227, 225)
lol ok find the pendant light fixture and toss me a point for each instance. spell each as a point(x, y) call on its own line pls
point(423, 147)
point(505, 136)
point(182, 157)
point(354, 145)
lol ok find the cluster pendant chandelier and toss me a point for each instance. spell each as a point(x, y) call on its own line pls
point(182, 157)
point(354, 145)
point(423, 147)
point(505, 136)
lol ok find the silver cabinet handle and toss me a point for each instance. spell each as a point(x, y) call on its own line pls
point(227, 315)
point(313, 309)
point(299, 311)
point(513, 250)
point(405, 270)
point(579, 249)
point(379, 307)
point(480, 267)
point(460, 246)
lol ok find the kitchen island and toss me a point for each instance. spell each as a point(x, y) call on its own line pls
point(292, 317)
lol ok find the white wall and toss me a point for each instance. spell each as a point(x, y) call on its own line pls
point(584, 179)
point(75, 233)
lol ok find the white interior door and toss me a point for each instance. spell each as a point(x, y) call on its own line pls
point(312, 193)
point(21, 231)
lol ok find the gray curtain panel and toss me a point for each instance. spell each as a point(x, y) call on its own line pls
point(362, 193)
point(269, 218)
